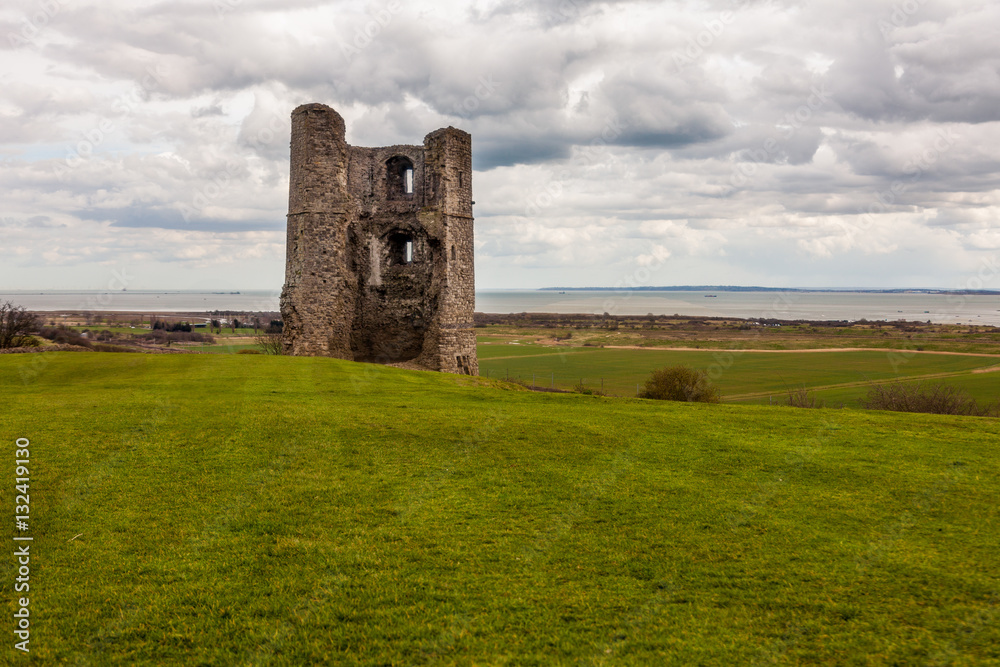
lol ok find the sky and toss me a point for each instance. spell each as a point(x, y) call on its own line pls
point(732, 142)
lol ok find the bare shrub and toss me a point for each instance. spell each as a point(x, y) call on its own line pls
point(801, 398)
point(62, 336)
point(269, 343)
point(581, 388)
point(160, 336)
point(16, 325)
point(937, 398)
point(680, 383)
point(248, 351)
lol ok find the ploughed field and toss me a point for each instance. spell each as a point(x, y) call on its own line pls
point(242, 509)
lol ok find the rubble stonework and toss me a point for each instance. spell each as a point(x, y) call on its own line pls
point(379, 261)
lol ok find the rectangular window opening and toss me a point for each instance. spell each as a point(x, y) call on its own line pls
point(409, 252)
point(408, 182)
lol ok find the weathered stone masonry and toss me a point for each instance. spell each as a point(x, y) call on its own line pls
point(380, 252)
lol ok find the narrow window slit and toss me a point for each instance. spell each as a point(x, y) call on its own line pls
point(400, 249)
point(400, 177)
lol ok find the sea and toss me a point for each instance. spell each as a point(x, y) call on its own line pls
point(791, 305)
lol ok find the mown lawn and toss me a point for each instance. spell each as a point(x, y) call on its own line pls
point(231, 509)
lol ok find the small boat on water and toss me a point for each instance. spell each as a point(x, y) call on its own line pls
point(711, 296)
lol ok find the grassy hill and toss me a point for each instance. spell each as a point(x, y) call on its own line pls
point(224, 509)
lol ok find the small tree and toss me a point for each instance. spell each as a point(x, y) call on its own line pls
point(801, 398)
point(680, 383)
point(16, 325)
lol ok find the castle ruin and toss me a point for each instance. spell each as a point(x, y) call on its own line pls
point(379, 261)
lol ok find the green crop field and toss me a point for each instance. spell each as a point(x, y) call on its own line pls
point(983, 387)
point(231, 509)
point(752, 376)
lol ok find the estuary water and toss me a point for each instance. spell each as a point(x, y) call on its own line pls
point(918, 306)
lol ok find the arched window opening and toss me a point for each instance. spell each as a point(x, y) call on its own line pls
point(453, 252)
point(399, 177)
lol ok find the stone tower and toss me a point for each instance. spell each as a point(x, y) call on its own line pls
point(379, 263)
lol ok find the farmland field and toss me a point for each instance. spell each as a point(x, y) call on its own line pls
point(752, 375)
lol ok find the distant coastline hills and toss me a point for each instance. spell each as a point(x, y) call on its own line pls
point(753, 288)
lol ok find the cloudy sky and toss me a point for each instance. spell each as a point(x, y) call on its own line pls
point(763, 142)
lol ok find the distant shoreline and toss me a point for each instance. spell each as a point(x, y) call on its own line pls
point(917, 304)
point(736, 288)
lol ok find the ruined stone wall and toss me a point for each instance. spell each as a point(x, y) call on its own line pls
point(380, 248)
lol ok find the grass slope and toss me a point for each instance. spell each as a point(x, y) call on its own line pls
point(263, 510)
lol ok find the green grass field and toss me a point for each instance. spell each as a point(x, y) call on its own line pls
point(741, 376)
point(224, 509)
point(984, 387)
point(222, 347)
